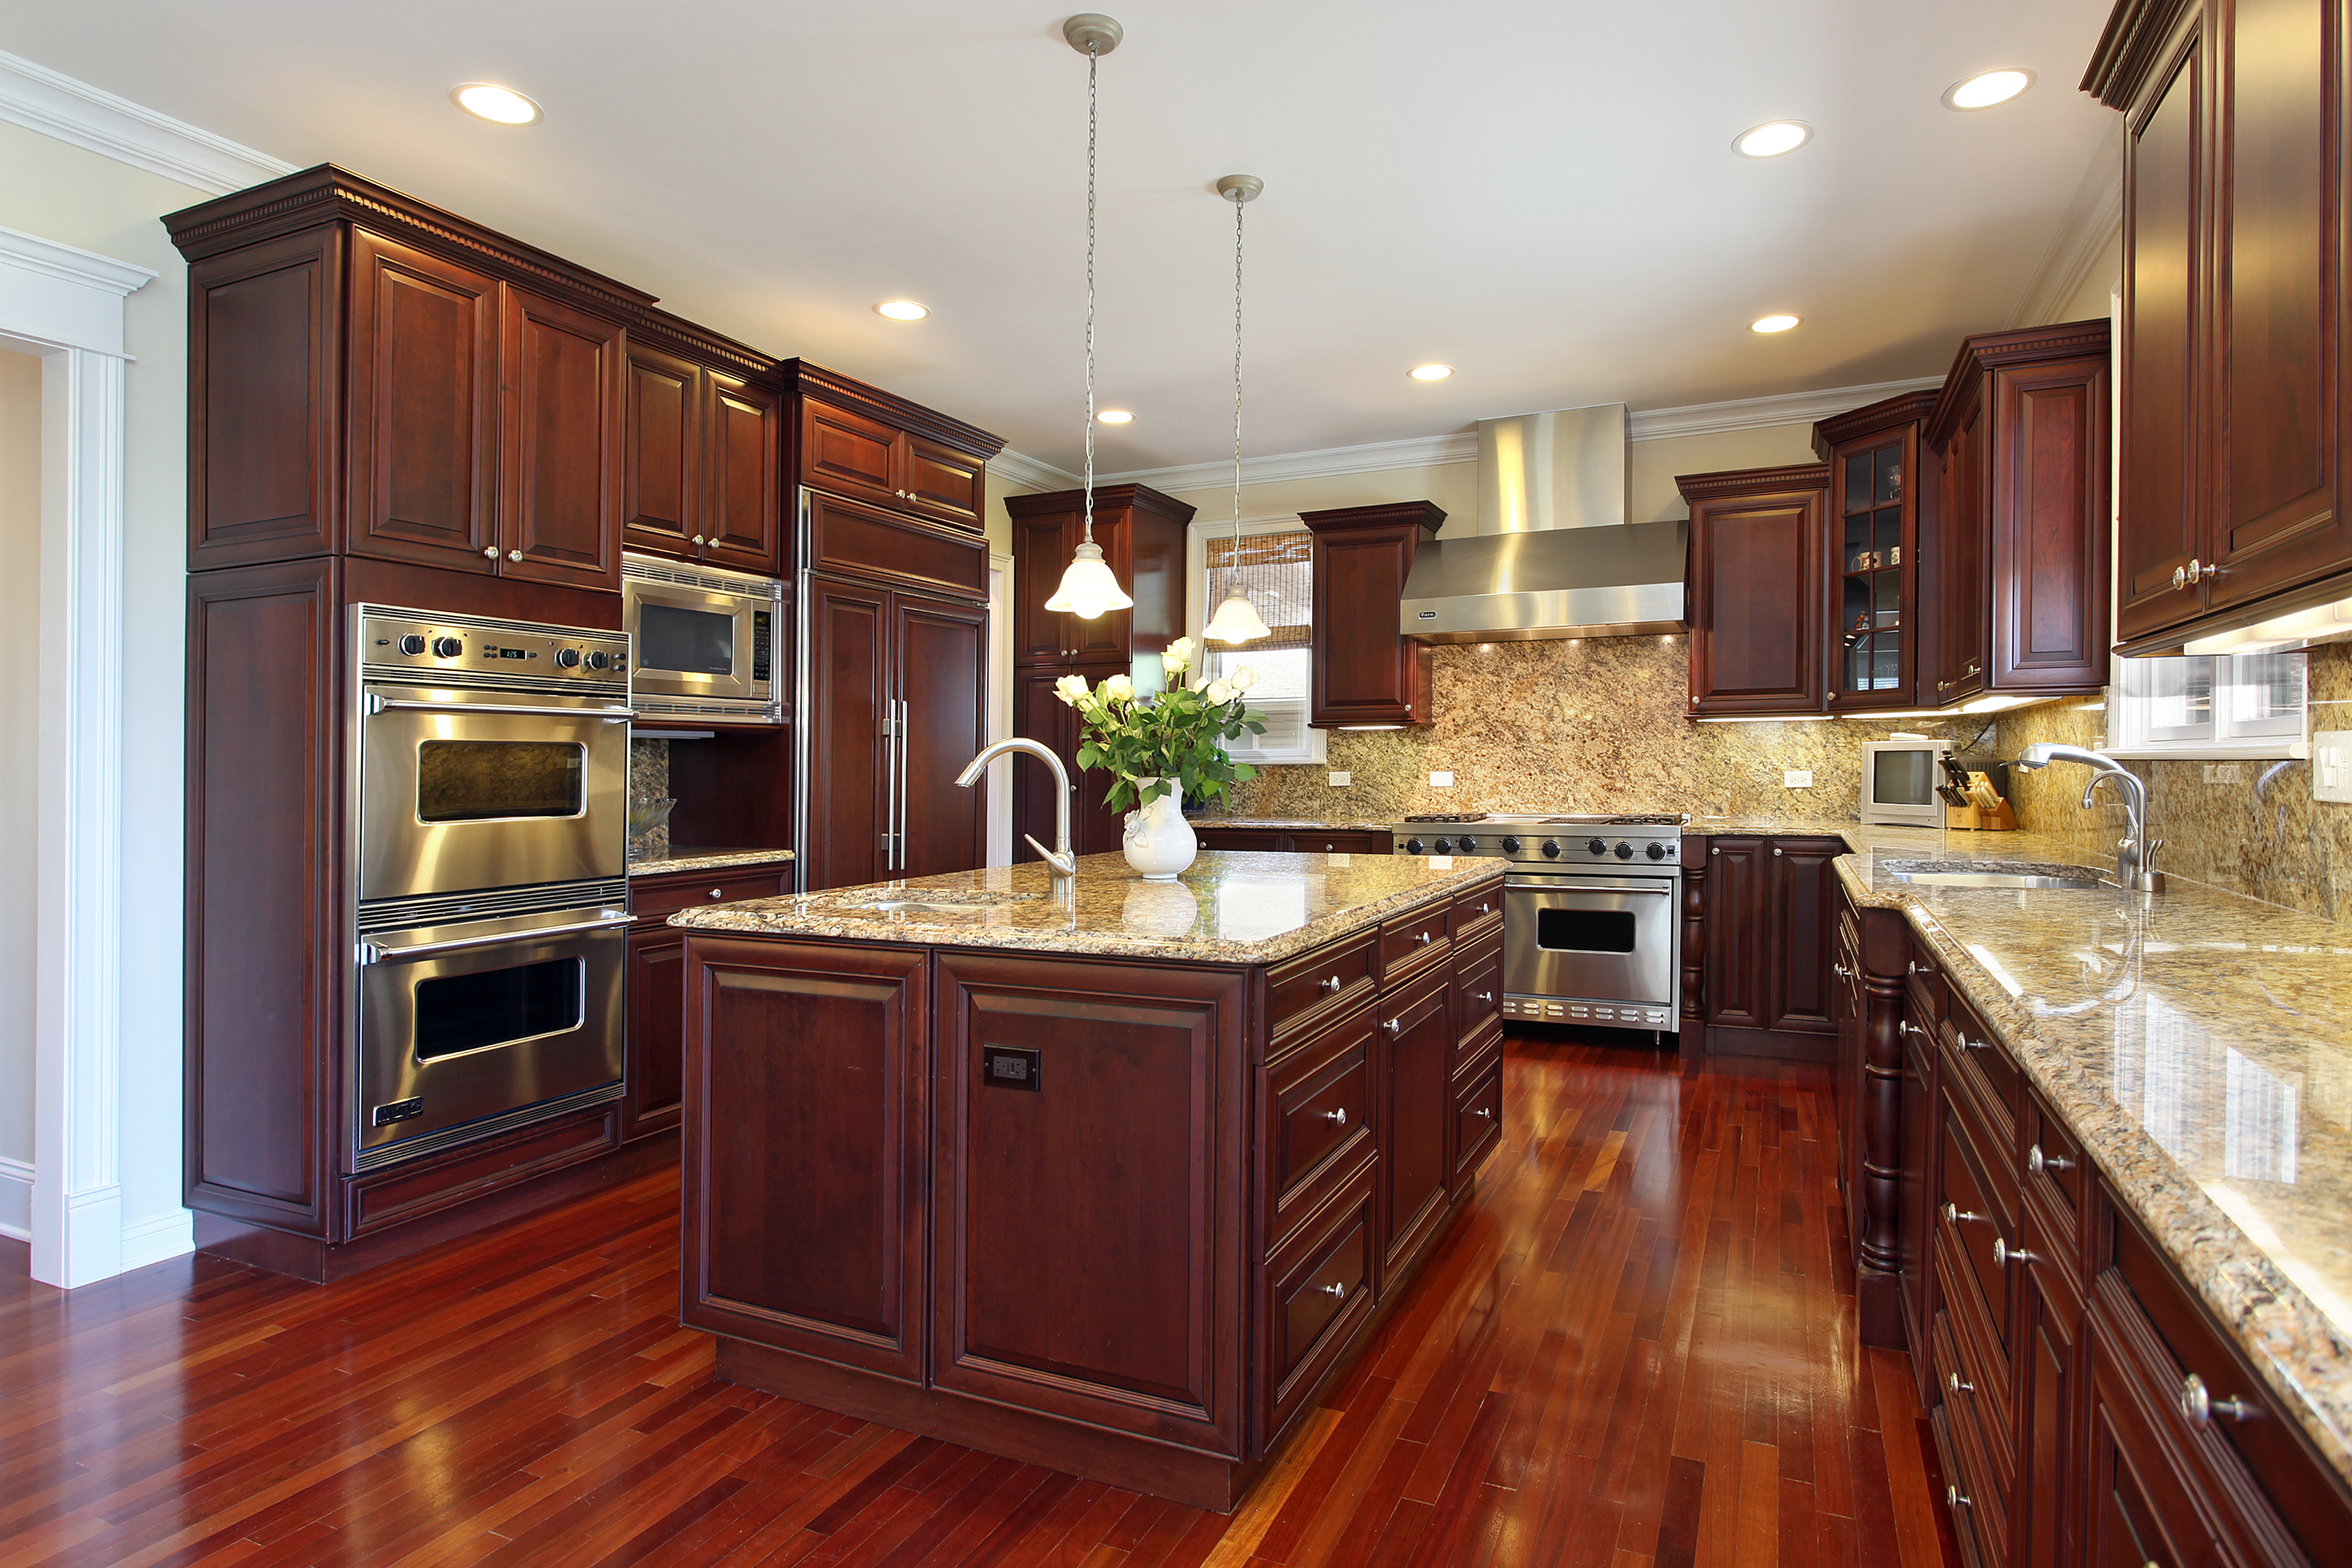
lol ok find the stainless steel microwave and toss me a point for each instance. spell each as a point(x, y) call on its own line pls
point(704, 642)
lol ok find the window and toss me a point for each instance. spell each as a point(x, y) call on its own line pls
point(1274, 564)
point(2249, 703)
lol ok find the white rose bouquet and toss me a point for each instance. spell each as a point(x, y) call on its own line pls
point(1175, 737)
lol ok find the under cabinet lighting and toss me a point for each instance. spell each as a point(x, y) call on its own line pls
point(1899, 713)
point(500, 105)
point(1768, 719)
point(1772, 138)
point(902, 309)
point(1778, 324)
point(1999, 704)
point(1986, 88)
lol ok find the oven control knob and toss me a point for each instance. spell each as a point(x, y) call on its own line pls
point(412, 644)
point(1656, 851)
point(1510, 846)
point(1551, 845)
point(567, 659)
point(1467, 845)
point(1414, 846)
point(1445, 847)
point(1624, 850)
point(1596, 846)
point(598, 660)
point(447, 648)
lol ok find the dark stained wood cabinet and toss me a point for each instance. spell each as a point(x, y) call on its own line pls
point(859, 441)
point(1877, 498)
point(656, 1051)
point(1159, 1206)
point(1366, 674)
point(1757, 590)
point(1767, 922)
point(1143, 536)
point(2234, 313)
point(704, 450)
point(2013, 574)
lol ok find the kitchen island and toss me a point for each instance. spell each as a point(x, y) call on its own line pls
point(1109, 1175)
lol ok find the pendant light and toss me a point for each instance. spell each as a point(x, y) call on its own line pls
point(1237, 620)
point(1088, 588)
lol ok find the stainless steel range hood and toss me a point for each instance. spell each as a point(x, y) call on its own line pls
point(1553, 556)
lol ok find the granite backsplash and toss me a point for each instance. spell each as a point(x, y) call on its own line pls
point(649, 780)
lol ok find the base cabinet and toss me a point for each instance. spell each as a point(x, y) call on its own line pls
point(1766, 913)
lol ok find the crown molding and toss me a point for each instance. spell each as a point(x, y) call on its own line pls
point(70, 263)
point(1030, 473)
point(55, 104)
point(2091, 228)
point(1762, 413)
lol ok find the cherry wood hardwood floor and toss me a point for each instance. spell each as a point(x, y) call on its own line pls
point(1637, 1351)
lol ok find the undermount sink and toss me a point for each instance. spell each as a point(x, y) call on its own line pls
point(944, 905)
point(1993, 874)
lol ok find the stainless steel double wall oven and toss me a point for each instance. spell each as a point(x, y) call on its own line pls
point(490, 828)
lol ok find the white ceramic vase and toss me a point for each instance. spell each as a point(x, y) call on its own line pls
point(1158, 843)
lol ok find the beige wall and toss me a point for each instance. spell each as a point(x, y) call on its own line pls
point(61, 193)
point(20, 628)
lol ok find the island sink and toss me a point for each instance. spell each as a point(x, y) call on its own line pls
point(1117, 1182)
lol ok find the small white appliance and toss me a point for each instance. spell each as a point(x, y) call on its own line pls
point(1898, 784)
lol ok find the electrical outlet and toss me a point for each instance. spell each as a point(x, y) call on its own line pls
point(1442, 780)
point(1341, 781)
point(2331, 765)
point(1797, 778)
point(2222, 772)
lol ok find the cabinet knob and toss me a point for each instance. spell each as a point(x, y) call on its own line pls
point(2003, 1255)
point(1331, 983)
point(1943, 686)
point(1974, 669)
point(1908, 1028)
point(715, 893)
point(1486, 996)
point(1955, 1498)
point(698, 539)
point(1955, 1215)
point(1959, 1385)
point(1776, 852)
point(1968, 1044)
point(1393, 1027)
point(1336, 1118)
point(1485, 1111)
point(1916, 967)
point(2199, 1407)
point(1840, 971)
point(490, 553)
point(2037, 1161)
point(514, 554)
point(1328, 848)
point(1423, 938)
point(1337, 1291)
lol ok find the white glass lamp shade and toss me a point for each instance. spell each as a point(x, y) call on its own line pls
point(1087, 586)
point(1236, 620)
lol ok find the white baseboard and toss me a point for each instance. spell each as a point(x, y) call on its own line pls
point(171, 1234)
point(15, 1199)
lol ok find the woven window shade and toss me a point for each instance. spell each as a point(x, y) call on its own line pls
point(1276, 571)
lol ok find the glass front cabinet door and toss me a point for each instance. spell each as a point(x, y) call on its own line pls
point(1874, 522)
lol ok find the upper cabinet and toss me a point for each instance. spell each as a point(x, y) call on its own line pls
point(2014, 571)
point(1141, 533)
point(372, 375)
point(2234, 309)
point(1367, 672)
point(705, 450)
point(1757, 590)
point(1875, 511)
point(859, 441)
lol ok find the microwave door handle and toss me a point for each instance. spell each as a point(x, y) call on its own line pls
point(377, 953)
point(376, 705)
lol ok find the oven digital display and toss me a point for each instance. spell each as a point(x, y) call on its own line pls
point(685, 642)
point(461, 1012)
point(1585, 931)
point(484, 781)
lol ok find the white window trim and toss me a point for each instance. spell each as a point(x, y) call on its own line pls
point(1196, 613)
point(2123, 742)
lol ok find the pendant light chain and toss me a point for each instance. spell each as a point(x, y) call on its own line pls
point(1093, 59)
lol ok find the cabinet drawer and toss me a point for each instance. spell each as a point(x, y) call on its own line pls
point(1478, 915)
point(2053, 1168)
point(1319, 1296)
point(1318, 1118)
point(1984, 1062)
point(1478, 987)
point(1980, 1497)
point(1409, 940)
point(1335, 841)
point(1238, 837)
point(1977, 1225)
point(652, 896)
point(1478, 1121)
point(1924, 985)
point(1320, 984)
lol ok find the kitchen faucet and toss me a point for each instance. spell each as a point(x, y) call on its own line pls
point(2135, 855)
point(1061, 856)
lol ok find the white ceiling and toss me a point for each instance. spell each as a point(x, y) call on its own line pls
point(1540, 193)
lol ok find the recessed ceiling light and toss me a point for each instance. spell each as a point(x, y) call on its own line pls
point(1430, 371)
point(1772, 138)
point(1116, 416)
point(490, 102)
point(902, 309)
point(1986, 88)
point(1772, 323)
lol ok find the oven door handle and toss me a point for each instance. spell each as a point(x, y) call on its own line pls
point(376, 705)
point(377, 953)
point(1582, 888)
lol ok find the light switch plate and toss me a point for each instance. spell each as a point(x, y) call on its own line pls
point(2331, 765)
point(1444, 780)
point(1797, 778)
point(1341, 781)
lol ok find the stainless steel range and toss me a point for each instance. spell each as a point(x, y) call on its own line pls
point(1591, 916)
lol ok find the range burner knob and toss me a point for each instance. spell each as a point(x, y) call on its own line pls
point(1624, 850)
point(1467, 845)
point(447, 648)
point(1510, 846)
point(567, 659)
point(1596, 846)
point(412, 644)
point(1657, 851)
point(1445, 847)
point(1414, 846)
point(1551, 846)
point(598, 660)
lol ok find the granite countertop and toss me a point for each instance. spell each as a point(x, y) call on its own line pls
point(2197, 1044)
point(1230, 907)
point(708, 861)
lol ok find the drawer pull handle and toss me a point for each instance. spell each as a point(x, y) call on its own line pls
point(1955, 1215)
point(1337, 1291)
point(2003, 1255)
point(2037, 1161)
point(1332, 983)
point(1336, 1118)
point(1840, 971)
point(1393, 1027)
point(2199, 1407)
point(1955, 1498)
point(1959, 1385)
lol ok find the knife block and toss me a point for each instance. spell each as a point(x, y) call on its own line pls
point(1999, 818)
